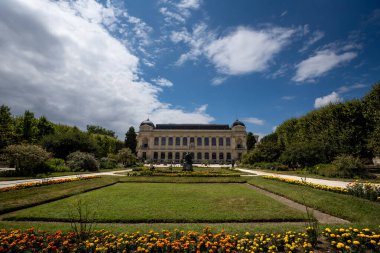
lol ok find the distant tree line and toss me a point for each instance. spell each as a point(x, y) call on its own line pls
point(350, 128)
point(26, 136)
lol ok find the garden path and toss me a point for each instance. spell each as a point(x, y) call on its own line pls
point(4, 184)
point(334, 183)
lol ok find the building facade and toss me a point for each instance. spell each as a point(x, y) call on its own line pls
point(207, 143)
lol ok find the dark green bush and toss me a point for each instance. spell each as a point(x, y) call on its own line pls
point(271, 166)
point(107, 163)
point(56, 164)
point(349, 166)
point(80, 161)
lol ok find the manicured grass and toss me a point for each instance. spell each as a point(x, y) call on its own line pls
point(344, 206)
point(16, 199)
point(166, 202)
point(167, 179)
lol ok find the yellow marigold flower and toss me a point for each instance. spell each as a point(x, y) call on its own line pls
point(356, 242)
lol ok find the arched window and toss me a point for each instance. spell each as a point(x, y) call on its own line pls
point(163, 141)
point(177, 141)
point(228, 141)
point(156, 141)
point(213, 141)
point(221, 156)
point(207, 156)
point(207, 141)
point(170, 156)
point(221, 142)
point(184, 141)
point(228, 156)
point(162, 155)
point(199, 156)
point(213, 156)
point(199, 141)
point(170, 141)
point(177, 155)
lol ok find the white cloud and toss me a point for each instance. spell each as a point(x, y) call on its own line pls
point(177, 13)
point(345, 89)
point(260, 47)
point(163, 82)
point(316, 36)
point(65, 65)
point(283, 13)
point(246, 50)
point(189, 4)
point(328, 99)
point(218, 80)
point(288, 97)
point(254, 121)
point(320, 63)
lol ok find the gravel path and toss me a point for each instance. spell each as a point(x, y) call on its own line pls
point(322, 218)
point(334, 183)
point(4, 184)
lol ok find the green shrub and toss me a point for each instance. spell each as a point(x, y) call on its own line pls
point(349, 166)
point(325, 169)
point(107, 163)
point(29, 159)
point(126, 157)
point(271, 166)
point(80, 161)
point(56, 164)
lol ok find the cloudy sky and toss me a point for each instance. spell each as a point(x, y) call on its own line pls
point(116, 63)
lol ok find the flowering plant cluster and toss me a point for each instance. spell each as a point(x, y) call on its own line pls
point(46, 182)
point(353, 240)
point(177, 241)
point(364, 190)
point(315, 186)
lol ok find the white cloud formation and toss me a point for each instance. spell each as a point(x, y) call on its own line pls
point(254, 121)
point(345, 89)
point(62, 63)
point(320, 63)
point(288, 97)
point(242, 51)
point(218, 80)
point(163, 82)
point(177, 13)
point(316, 36)
point(332, 98)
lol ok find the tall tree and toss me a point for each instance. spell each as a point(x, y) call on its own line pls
point(131, 140)
point(251, 141)
point(92, 129)
point(29, 128)
point(44, 127)
point(6, 127)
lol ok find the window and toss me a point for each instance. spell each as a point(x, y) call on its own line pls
point(184, 141)
point(156, 141)
point(199, 156)
point(228, 156)
point(192, 141)
point(207, 156)
point(228, 141)
point(199, 141)
point(192, 155)
point(170, 156)
point(155, 155)
point(183, 155)
point(163, 141)
point(177, 141)
point(163, 156)
point(213, 156)
point(213, 141)
point(207, 141)
point(170, 141)
point(144, 155)
point(177, 155)
point(221, 141)
point(221, 156)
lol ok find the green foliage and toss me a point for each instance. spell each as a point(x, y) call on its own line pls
point(301, 154)
point(62, 143)
point(349, 166)
point(7, 131)
point(80, 161)
point(29, 159)
point(106, 144)
point(56, 165)
point(251, 141)
point(267, 150)
point(126, 157)
point(107, 163)
point(271, 166)
point(29, 128)
point(131, 140)
point(92, 129)
point(44, 127)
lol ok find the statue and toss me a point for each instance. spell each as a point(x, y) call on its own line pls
point(188, 164)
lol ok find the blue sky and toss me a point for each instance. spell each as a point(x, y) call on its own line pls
point(115, 63)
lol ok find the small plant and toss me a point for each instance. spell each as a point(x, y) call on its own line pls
point(82, 219)
point(107, 163)
point(56, 164)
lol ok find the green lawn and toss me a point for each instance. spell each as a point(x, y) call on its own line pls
point(15, 199)
point(166, 202)
point(348, 207)
point(169, 179)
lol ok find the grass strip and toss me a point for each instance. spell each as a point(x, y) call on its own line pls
point(167, 202)
point(348, 207)
point(159, 179)
point(23, 198)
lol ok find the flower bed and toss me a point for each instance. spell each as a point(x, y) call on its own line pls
point(316, 186)
point(353, 240)
point(46, 182)
point(341, 240)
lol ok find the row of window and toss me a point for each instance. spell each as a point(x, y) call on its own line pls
point(191, 141)
point(199, 156)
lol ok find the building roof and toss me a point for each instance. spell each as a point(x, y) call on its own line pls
point(147, 122)
point(192, 127)
point(238, 123)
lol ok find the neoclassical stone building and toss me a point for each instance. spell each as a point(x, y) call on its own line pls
point(211, 143)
